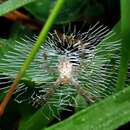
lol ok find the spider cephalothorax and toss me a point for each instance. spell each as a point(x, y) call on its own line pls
point(66, 70)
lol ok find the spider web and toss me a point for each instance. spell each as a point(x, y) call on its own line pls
point(96, 60)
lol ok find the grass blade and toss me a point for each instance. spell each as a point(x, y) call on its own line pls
point(11, 5)
point(125, 52)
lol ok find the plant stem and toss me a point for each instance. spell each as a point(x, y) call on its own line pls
point(125, 51)
point(40, 40)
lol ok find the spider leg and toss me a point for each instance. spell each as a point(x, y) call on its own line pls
point(88, 98)
point(43, 99)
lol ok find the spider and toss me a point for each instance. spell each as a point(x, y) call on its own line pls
point(72, 51)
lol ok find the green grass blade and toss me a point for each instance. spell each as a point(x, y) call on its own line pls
point(108, 114)
point(125, 30)
point(11, 5)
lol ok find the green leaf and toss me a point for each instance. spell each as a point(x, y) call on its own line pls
point(71, 10)
point(11, 5)
point(108, 114)
point(94, 8)
point(25, 115)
